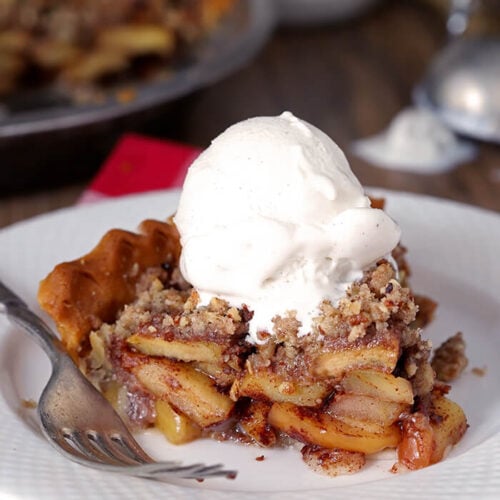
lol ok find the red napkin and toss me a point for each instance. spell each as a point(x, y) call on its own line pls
point(139, 164)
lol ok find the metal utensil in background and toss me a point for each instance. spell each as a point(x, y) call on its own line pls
point(462, 84)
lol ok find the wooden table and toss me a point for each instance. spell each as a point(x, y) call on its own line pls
point(348, 80)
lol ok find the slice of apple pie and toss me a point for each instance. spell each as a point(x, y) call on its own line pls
point(360, 382)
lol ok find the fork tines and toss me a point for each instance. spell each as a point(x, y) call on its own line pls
point(119, 453)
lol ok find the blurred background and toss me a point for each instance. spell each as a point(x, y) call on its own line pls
point(347, 66)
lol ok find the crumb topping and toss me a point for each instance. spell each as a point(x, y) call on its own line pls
point(449, 359)
point(375, 313)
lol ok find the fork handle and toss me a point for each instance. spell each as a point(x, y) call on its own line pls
point(18, 312)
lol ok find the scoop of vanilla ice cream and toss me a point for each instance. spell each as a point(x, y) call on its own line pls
point(272, 216)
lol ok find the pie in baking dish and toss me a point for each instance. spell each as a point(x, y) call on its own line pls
point(77, 44)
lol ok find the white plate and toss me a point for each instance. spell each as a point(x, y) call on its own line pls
point(454, 256)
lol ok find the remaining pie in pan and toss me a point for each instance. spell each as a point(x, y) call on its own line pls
point(77, 44)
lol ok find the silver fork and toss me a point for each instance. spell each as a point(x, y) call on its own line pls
point(80, 423)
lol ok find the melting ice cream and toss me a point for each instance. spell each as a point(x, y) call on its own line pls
point(272, 216)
